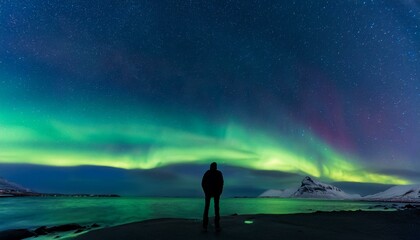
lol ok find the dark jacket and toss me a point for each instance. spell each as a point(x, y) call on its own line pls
point(212, 183)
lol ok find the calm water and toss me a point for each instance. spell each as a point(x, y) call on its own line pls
point(35, 212)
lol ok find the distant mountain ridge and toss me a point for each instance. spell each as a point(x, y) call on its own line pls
point(10, 187)
point(278, 193)
point(311, 188)
point(398, 193)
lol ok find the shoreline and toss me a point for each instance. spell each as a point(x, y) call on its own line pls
point(75, 231)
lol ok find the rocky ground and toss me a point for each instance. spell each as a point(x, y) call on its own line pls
point(320, 225)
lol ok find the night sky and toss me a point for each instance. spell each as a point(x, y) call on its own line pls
point(145, 94)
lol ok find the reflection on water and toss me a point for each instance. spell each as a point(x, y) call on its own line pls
point(35, 212)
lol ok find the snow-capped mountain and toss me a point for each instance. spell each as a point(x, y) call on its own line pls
point(314, 189)
point(310, 188)
point(398, 193)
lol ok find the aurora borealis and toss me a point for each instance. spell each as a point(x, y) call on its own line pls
point(322, 88)
point(144, 146)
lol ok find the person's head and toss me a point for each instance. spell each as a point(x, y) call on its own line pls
point(213, 166)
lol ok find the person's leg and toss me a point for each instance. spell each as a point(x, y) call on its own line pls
point(206, 212)
point(216, 212)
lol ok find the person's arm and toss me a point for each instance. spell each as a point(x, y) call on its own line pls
point(221, 182)
point(204, 182)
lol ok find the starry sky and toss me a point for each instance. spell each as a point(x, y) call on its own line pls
point(131, 92)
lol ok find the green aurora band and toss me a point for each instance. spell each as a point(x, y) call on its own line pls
point(136, 143)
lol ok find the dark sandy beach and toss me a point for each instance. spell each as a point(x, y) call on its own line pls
point(320, 225)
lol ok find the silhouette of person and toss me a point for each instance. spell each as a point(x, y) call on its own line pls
point(212, 184)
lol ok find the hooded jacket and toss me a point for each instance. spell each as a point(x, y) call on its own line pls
point(212, 182)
